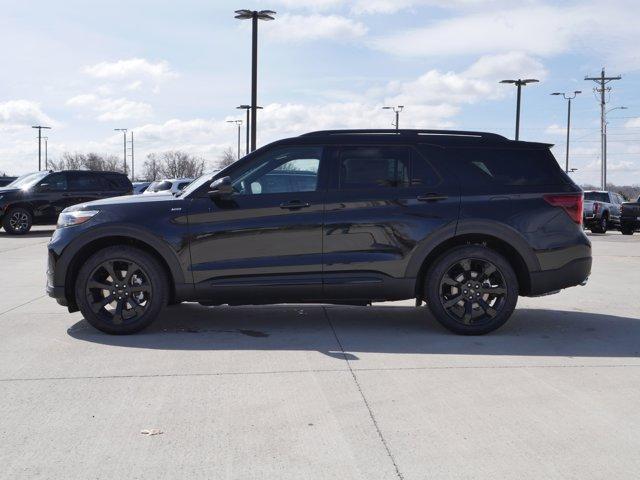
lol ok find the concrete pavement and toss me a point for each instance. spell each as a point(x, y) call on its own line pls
point(378, 392)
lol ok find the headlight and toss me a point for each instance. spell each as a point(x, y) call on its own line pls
point(68, 219)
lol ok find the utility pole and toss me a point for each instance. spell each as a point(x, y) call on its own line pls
point(397, 111)
point(124, 151)
point(40, 128)
point(568, 97)
point(46, 152)
point(602, 89)
point(239, 124)
point(246, 126)
point(133, 165)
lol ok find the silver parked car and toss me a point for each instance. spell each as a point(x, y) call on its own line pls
point(169, 185)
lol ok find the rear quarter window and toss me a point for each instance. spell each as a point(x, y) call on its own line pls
point(506, 167)
point(118, 181)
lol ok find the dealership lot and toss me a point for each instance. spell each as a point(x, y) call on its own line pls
point(323, 392)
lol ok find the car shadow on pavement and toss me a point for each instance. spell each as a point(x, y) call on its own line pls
point(381, 329)
point(31, 234)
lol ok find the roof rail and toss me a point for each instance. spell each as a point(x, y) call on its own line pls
point(444, 133)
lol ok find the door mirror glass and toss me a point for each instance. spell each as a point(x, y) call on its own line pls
point(221, 188)
point(44, 187)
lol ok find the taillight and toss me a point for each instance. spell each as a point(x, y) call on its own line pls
point(596, 207)
point(572, 204)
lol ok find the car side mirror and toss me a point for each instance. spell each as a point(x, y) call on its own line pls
point(221, 188)
point(44, 187)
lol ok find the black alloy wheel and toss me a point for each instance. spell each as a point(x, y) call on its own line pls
point(471, 289)
point(18, 221)
point(121, 289)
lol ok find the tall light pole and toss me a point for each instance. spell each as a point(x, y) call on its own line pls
point(519, 83)
point(124, 151)
point(254, 16)
point(246, 125)
point(604, 150)
point(46, 152)
point(602, 89)
point(397, 111)
point(239, 124)
point(40, 128)
point(133, 164)
point(568, 97)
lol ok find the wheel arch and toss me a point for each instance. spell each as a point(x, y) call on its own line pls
point(96, 241)
point(499, 238)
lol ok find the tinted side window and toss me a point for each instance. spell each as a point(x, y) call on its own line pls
point(115, 181)
point(597, 196)
point(283, 170)
point(56, 182)
point(371, 166)
point(85, 182)
point(498, 166)
point(422, 173)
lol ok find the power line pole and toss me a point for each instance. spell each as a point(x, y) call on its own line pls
point(124, 147)
point(133, 165)
point(46, 152)
point(602, 89)
point(40, 128)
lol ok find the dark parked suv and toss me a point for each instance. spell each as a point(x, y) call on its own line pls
point(463, 221)
point(39, 197)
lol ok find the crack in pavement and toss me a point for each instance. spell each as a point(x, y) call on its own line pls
point(23, 304)
point(364, 398)
point(312, 370)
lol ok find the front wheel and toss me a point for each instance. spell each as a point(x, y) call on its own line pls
point(121, 290)
point(602, 226)
point(471, 290)
point(17, 221)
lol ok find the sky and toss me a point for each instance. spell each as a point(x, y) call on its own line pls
point(174, 72)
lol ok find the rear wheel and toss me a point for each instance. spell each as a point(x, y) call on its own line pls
point(17, 221)
point(626, 230)
point(471, 290)
point(121, 290)
point(601, 226)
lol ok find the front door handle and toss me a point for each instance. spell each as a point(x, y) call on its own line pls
point(432, 197)
point(294, 205)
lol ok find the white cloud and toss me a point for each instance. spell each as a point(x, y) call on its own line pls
point(314, 5)
point(23, 113)
point(537, 29)
point(296, 28)
point(111, 109)
point(130, 68)
point(556, 129)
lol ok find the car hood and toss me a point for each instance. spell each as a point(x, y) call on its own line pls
point(125, 200)
point(5, 191)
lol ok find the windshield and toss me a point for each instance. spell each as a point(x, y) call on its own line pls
point(596, 196)
point(197, 183)
point(28, 180)
point(160, 186)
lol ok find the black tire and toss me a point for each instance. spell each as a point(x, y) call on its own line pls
point(602, 225)
point(454, 275)
point(138, 294)
point(17, 221)
point(626, 230)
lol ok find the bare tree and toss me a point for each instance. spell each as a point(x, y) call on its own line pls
point(89, 161)
point(226, 158)
point(173, 164)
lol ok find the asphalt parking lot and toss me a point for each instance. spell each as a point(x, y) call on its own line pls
point(377, 392)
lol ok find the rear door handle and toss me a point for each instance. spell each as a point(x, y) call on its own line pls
point(294, 205)
point(432, 197)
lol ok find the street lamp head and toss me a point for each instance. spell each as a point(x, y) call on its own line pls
point(529, 80)
point(387, 108)
point(245, 14)
point(244, 107)
point(508, 81)
point(577, 92)
point(557, 93)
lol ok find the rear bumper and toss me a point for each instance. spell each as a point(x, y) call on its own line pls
point(576, 272)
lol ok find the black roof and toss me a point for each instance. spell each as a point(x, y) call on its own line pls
point(438, 137)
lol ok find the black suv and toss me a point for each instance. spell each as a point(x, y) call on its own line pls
point(463, 221)
point(39, 197)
